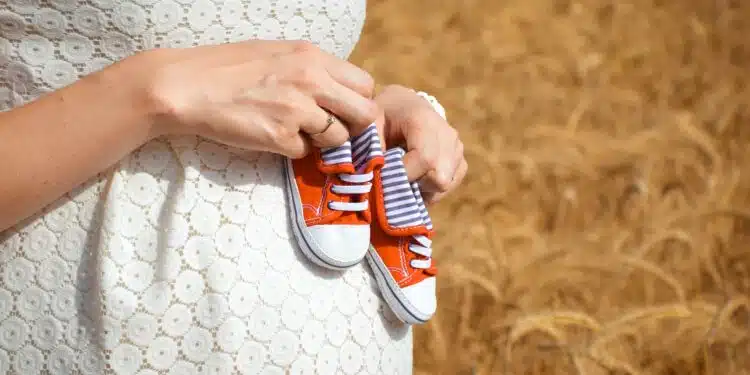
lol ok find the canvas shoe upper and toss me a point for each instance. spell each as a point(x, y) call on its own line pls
point(401, 253)
point(328, 192)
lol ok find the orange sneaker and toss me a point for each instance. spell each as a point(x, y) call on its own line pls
point(401, 254)
point(328, 193)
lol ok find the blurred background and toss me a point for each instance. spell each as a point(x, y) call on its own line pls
point(604, 227)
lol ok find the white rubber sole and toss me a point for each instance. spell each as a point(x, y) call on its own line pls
point(305, 240)
point(394, 298)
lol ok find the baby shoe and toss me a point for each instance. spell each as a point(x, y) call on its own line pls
point(401, 254)
point(328, 193)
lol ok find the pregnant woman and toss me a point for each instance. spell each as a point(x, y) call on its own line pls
point(143, 221)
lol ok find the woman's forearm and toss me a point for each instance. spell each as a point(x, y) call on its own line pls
point(53, 144)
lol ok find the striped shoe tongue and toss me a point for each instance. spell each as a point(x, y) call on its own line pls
point(365, 147)
point(357, 151)
point(404, 206)
point(422, 208)
point(337, 155)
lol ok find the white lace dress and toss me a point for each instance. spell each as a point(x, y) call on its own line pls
point(179, 260)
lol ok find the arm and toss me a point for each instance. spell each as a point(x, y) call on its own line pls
point(271, 96)
point(53, 144)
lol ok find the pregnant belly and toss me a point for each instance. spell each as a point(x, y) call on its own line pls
point(182, 259)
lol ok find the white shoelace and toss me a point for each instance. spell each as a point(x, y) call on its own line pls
point(362, 185)
point(423, 247)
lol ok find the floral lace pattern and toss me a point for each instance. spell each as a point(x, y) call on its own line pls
point(179, 260)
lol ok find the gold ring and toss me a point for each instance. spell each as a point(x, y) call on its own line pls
point(330, 121)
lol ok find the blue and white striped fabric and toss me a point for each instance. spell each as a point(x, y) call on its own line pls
point(357, 151)
point(404, 206)
point(366, 146)
point(422, 208)
point(337, 155)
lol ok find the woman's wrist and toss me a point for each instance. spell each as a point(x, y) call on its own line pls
point(424, 95)
point(434, 103)
point(137, 78)
point(136, 75)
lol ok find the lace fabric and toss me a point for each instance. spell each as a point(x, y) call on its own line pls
point(179, 260)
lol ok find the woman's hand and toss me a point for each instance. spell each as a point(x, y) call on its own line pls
point(262, 95)
point(435, 154)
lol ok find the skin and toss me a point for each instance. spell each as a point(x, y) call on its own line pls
point(434, 152)
point(272, 96)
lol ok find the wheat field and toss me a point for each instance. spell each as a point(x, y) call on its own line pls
point(604, 226)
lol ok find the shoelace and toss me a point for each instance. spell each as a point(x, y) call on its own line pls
point(360, 148)
point(422, 246)
point(361, 185)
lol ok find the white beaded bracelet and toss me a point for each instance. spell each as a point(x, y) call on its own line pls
point(434, 102)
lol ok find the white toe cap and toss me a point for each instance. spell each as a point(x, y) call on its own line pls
point(422, 296)
point(342, 245)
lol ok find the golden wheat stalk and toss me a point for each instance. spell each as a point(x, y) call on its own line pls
point(637, 317)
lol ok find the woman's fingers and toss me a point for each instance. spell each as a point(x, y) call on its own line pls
point(332, 134)
point(445, 176)
point(435, 156)
point(458, 177)
point(342, 71)
point(338, 87)
point(322, 127)
point(351, 76)
point(355, 111)
point(296, 147)
point(334, 84)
